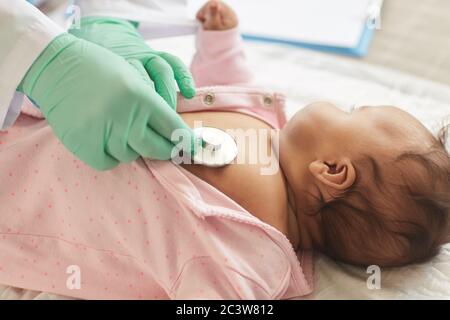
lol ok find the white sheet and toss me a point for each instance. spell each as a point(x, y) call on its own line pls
point(307, 76)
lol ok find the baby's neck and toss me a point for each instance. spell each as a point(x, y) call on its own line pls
point(297, 230)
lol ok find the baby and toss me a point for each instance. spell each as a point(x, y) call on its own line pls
point(370, 186)
point(367, 187)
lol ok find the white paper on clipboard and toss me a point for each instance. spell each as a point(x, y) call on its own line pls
point(339, 23)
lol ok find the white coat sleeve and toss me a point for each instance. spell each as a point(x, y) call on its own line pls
point(24, 34)
point(157, 18)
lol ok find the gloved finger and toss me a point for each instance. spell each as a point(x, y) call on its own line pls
point(101, 164)
point(164, 120)
point(117, 146)
point(137, 65)
point(182, 74)
point(163, 77)
point(149, 144)
point(88, 151)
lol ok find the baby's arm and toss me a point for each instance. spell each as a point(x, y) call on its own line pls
point(220, 57)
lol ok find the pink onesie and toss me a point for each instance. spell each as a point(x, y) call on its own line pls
point(145, 230)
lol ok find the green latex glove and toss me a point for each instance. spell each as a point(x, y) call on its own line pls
point(100, 106)
point(122, 38)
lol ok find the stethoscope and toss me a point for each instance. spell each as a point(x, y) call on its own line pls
point(215, 147)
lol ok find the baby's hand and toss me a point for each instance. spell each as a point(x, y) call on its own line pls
point(216, 15)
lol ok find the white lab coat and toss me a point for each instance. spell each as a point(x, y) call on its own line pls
point(25, 32)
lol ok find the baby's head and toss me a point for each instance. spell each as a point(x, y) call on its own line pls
point(371, 186)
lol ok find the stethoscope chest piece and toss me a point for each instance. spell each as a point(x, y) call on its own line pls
point(215, 147)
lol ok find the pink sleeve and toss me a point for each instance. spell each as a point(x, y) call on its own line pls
point(220, 59)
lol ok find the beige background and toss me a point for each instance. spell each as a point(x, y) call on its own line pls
point(415, 38)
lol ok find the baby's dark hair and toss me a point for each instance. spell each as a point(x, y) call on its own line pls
point(406, 223)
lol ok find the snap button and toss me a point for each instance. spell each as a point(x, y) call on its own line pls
point(209, 99)
point(268, 100)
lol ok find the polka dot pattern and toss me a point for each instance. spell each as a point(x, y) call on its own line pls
point(139, 231)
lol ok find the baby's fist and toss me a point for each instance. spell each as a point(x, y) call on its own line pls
point(216, 15)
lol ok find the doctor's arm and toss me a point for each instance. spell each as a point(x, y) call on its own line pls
point(24, 33)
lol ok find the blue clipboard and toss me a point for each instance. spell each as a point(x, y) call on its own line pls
point(359, 51)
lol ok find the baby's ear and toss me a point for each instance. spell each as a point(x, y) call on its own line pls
point(333, 176)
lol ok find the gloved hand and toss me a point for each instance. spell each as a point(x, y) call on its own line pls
point(99, 105)
point(122, 38)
